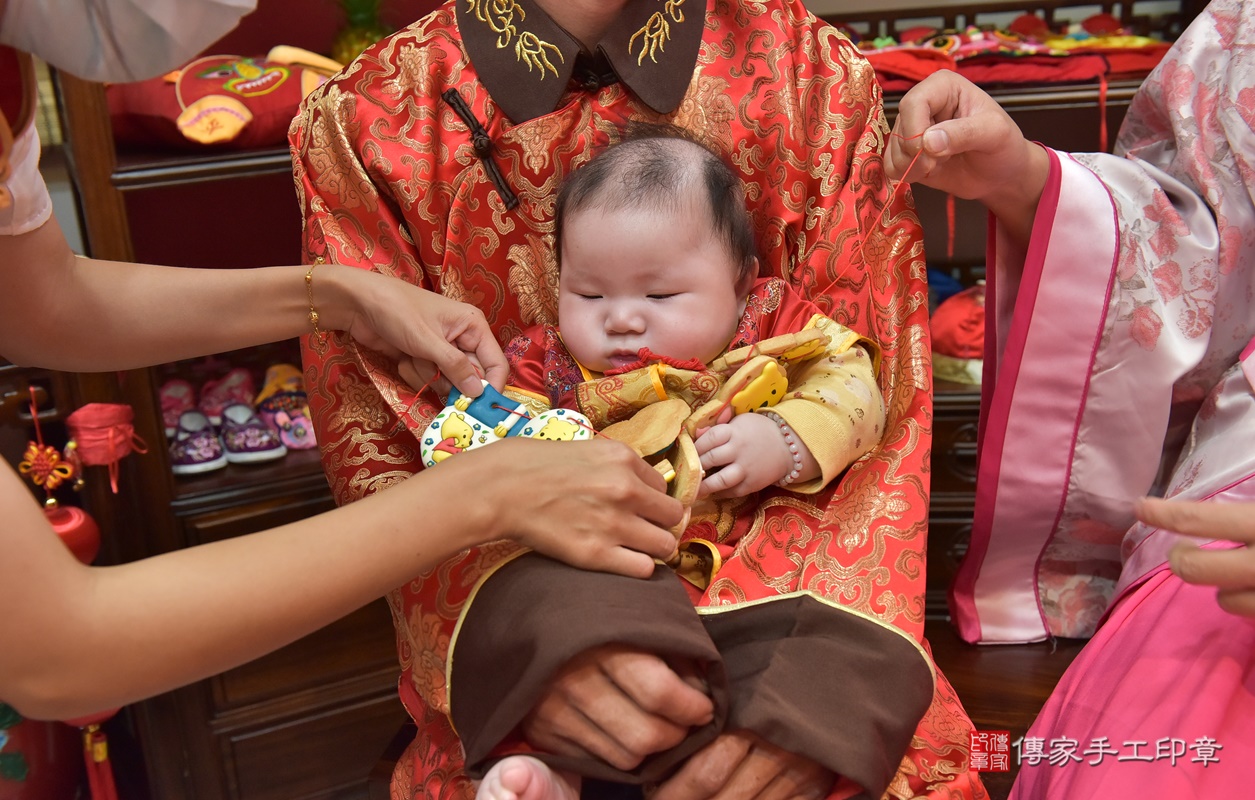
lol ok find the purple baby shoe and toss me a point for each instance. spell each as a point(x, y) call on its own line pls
point(196, 446)
point(247, 439)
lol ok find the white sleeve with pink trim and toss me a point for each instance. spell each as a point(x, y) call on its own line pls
point(29, 205)
point(1119, 336)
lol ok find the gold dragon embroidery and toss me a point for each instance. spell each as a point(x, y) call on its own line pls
point(501, 17)
point(656, 31)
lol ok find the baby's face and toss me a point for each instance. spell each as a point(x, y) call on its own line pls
point(642, 278)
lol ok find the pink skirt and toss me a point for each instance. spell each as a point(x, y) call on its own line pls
point(1160, 703)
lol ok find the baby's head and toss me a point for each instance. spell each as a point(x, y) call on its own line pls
point(655, 249)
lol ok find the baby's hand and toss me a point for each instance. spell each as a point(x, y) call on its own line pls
point(742, 456)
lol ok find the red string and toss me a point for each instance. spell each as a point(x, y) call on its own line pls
point(436, 377)
point(1102, 113)
point(433, 379)
point(39, 436)
point(410, 411)
point(949, 227)
point(893, 192)
point(522, 412)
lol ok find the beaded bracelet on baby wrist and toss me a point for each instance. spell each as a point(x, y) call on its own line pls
point(790, 439)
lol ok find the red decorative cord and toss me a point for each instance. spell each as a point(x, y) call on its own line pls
point(893, 193)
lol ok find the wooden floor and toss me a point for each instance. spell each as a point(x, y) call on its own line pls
point(1001, 686)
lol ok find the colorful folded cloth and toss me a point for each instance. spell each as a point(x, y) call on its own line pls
point(281, 378)
point(958, 336)
point(1028, 51)
point(295, 427)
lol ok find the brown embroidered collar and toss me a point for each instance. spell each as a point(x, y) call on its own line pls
point(526, 60)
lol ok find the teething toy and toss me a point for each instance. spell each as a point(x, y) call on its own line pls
point(466, 423)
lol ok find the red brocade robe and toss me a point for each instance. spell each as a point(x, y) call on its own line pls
point(435, 157)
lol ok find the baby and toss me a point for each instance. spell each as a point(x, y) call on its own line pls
point(657, 267)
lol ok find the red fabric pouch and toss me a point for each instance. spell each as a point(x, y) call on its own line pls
point(223, 101)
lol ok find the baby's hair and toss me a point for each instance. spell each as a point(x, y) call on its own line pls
point(654, 167)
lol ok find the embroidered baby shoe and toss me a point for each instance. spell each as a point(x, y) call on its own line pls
point(177, 396)
point(196, 447)
point(281, 378)
point(234, 387)
point(295, 427)
point(283, 406)
point(246, 438)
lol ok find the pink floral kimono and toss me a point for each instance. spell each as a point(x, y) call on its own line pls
point(1122, 363)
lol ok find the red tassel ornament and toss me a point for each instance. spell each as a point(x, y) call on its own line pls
point(76, 528)
point(48, 469)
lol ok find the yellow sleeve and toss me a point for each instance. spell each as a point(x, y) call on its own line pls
point(834, 404)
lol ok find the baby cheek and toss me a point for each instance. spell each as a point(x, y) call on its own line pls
point(576, 325)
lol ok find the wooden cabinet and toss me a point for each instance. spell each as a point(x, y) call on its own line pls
point(310, 720)
point(956, 409)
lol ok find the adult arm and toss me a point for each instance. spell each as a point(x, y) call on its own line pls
point(1231, 571)
point(971, 149)
point(79, 639)
point(65, 312)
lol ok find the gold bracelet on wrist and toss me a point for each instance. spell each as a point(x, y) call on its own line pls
point(309, 292)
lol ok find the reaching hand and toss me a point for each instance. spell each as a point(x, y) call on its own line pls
point(594, 504)
point(741, 765)
point(1231, 571)
point(425, 332)
point(744, 455)
point(971, 149)
point(617, 704)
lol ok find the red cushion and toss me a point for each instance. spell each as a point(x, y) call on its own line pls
point(958, 324)
point(146, 112)
point(1030, 26)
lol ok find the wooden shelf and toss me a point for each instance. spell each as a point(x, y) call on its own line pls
point(299, 471)
point(140, 169)
point(309, 719)
point(1047, 96)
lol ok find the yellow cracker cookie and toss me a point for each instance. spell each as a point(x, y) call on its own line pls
point(652, 429)
point(787, 348)
point(688, 476)
point(759, 383)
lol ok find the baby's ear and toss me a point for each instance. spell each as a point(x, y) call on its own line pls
point(746, 281)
